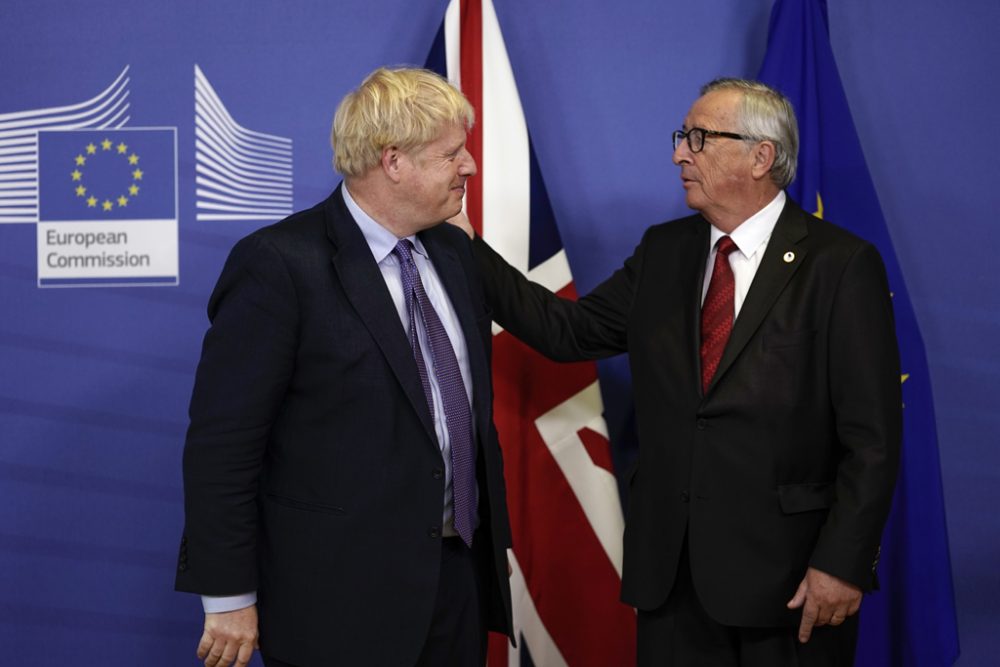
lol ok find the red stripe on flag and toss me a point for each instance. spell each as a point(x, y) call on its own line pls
point(571, 581)
point(574, 586)
point(598, 448)
point(471, 50)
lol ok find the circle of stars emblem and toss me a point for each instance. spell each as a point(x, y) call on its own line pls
point(106, 149)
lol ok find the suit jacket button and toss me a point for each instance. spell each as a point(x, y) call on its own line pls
point(702, 424)
point(182, 567)
point(438, 473)
point(684, 496)
point(434, 532)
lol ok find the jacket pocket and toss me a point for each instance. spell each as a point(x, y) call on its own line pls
point(303, 505)
point(807, 497)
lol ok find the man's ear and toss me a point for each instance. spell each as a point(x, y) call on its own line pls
point(763, 159)
point(391, 163)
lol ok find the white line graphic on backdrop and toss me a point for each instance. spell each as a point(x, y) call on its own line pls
point(241, 174)
point(19, 143)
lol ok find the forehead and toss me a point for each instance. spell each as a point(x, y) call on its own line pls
point(717, 110)
point(450, 136)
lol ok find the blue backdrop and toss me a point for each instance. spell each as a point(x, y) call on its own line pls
point(94, 381)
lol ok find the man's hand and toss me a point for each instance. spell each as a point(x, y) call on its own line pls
point(825, 600)
point(462, 222)
point(229, 637)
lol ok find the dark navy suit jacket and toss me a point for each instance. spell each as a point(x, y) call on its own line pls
point(312, 472)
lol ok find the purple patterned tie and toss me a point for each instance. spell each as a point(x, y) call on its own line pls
point(458, 417)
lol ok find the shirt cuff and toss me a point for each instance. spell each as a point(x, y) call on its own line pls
point(217, 604)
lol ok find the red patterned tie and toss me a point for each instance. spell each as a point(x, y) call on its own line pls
point(717, 312)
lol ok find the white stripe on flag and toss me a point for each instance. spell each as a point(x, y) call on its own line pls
point(595, 487)
point(506, 178)
point(528, 624)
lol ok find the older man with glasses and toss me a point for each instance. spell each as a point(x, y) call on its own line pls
point(766, 380)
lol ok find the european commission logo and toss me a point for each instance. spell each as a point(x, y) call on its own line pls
point(107, 207)
point(125, 174)
point(104, 195)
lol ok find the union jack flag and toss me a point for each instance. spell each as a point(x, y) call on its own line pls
point(565, 512)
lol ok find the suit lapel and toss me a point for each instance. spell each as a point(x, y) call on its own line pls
point(772, 275)
point(362, 281)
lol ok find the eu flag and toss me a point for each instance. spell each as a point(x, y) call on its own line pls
point(911, 621)
point(122, 174)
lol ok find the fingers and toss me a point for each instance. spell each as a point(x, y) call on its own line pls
point(244, 655)
point(229, 638)
point(810, 614)
point(214, 658)
point(800, 596)
point(853, 607)
point(204, 645)
point(222, 653)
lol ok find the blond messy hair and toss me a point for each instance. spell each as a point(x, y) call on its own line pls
point(404, 107)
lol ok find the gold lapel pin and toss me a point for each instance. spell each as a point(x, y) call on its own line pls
point(789, 257)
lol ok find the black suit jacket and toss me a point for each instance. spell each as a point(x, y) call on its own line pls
point(789, 459)
point(312, 472)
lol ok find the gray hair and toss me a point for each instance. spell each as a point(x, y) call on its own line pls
point(766, 114)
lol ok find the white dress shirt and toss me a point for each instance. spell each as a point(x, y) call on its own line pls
point(751, 239)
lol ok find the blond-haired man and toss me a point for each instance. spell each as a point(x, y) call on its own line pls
point(344, 492)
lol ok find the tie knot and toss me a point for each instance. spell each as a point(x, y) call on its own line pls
point(402, 251)
point(725, 246)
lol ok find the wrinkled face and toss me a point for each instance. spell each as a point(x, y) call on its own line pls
point(717, 179)
point(434, 176)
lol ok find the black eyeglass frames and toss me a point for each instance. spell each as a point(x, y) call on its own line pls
point(696, 137)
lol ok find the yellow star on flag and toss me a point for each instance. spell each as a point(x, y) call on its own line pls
point(122, 148)
point(122, 201)
point(80, 191)
point(80, 160)
point(91, 148)
point(76, 174)
point(133, 159)
point(106, 145)
point(133, 189)
point(137, 174)
point(91, 201)
point(107, 205)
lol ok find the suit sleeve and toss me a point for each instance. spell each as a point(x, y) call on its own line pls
point(246, 363)
point(867, 403)
point(563, 330)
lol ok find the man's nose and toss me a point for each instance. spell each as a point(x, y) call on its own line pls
point(682, 154)
point(468, 164)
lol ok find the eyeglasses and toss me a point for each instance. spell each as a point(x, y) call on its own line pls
point(696, 137)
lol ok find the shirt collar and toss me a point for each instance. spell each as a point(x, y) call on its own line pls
point(380, 240)
point(753, 232)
